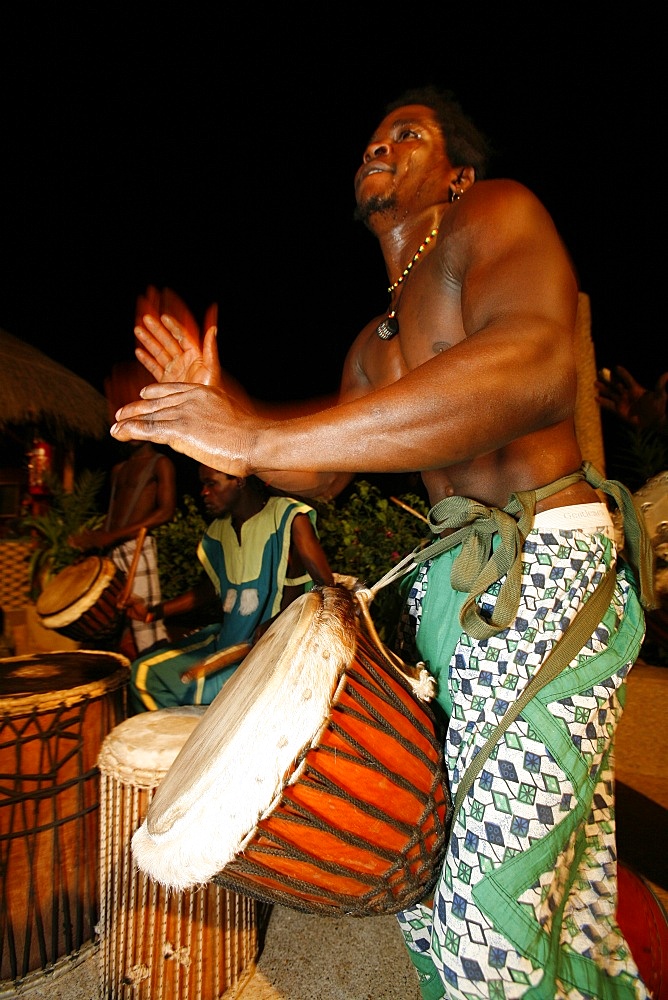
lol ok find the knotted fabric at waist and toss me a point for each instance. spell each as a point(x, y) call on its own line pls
point(481, 562)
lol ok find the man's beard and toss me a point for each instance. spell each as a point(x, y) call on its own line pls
point(372, 206)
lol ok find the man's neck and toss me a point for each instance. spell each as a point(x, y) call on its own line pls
point(248, 507)
point(400, 239)
point(142, 450)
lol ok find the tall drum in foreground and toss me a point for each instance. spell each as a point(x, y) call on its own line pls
point(55, 710)
point(157, 944)
point(315, 779)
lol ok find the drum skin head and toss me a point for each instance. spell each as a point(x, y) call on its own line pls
point(140, 750)
point(40, 681)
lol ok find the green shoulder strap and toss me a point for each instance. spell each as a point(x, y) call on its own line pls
point(565, 649)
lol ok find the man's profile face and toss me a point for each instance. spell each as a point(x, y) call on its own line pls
point(219, 491)
point(404, 163)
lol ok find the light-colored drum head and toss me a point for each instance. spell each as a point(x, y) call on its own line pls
point(141, 749)
point(74, 590)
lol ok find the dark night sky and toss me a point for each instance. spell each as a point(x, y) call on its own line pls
point(214, 154)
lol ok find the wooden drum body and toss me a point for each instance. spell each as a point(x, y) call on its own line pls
point(55, 711)
point(158, 944)
point(315, 779)
point(81, 602)
point(644, 923)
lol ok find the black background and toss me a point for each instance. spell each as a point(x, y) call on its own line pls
point(213, 152)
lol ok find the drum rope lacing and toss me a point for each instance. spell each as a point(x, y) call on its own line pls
point(414, 868)
point(422, 683)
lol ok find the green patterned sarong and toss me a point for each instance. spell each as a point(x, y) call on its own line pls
point(525, 906)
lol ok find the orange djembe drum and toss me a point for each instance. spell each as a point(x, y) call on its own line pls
point(158, 944)
point(55, 711)
point(314, 780)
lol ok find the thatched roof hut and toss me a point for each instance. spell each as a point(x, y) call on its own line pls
point(36, 390)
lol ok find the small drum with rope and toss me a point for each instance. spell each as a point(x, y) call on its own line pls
point(55, 711)
point(82, 602)
point(314, 780)
point(157, 944)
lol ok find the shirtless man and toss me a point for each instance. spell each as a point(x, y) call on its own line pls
point(143, 495)
point(469, 377)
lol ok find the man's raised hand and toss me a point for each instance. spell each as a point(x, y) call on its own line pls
point(171, 353)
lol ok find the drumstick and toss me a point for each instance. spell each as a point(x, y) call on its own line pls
point(410, 510)
point(223, 658)
point(127, 589)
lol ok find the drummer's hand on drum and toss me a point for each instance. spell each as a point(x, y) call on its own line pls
point(136, 608)
point(172, 353)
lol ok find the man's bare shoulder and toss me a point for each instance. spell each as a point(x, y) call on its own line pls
point(494, 221)
point(503, 189)
point(164, 461)
point(500, 205)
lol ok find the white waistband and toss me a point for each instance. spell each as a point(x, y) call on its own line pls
point(589, 517)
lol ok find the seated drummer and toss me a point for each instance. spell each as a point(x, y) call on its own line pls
point(259, 553)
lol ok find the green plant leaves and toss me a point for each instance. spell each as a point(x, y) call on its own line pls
point(365, 536)
point(69, 513)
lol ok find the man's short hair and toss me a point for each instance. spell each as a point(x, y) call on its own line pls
point(465, 143)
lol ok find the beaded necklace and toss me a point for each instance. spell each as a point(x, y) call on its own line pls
point(389, 327)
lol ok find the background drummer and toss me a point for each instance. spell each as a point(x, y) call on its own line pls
point(143, 496)
point(259, 553)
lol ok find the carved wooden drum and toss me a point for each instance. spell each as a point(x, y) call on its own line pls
point(157, 944)
point(55, 711)
point(81, 602)
point(314, 780)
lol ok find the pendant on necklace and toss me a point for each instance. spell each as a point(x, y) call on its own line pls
point(388, 328)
